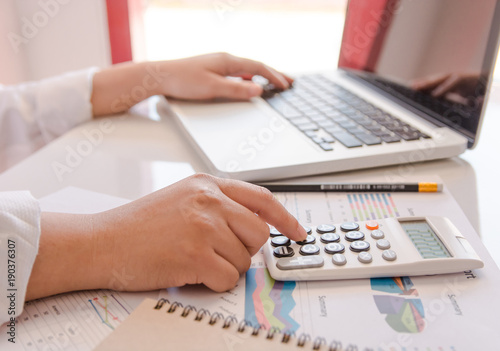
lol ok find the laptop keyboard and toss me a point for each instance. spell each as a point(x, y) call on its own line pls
point(328, 113)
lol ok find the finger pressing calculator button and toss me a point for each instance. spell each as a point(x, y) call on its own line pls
point(309, 240)
point(339, 259)
point(383, 244)
point(377, 234)
point(334, 248)
point(300, 262)
point(354, 235)
point(325, 228)
point(274, 232)
point(283, 251)
point(364, 257)
point(309, 249)
point(371, 225)
point(307, 229)
point(280, 241)
point(389, 255)
point(329, 238)
point(348, 226)
point(358, 246)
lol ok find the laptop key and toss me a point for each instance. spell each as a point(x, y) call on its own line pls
point(283, 107)
point(387, 138)
point(328, 138)
point(326, 146)
point(348, 140)
point(334, 129)
point(318, 117)
point(348, 124)
point(326, 124)
point(308, 126)
point(369, 139)
point(299, 120)
point(408, 135)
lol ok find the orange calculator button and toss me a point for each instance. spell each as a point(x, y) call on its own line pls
point(372, 225)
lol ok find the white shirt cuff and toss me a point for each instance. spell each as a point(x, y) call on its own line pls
point(19, 239)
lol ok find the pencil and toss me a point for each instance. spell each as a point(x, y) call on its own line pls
point(421, 187)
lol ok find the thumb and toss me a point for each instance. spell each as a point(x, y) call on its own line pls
point(234, 89)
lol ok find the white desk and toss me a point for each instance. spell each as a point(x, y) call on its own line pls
point(137, 155)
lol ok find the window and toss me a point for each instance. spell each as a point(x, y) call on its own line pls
point(291, 35)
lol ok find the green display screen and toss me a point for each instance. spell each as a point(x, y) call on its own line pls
point(425, 240)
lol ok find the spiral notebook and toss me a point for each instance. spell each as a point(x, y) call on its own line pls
point(161, 325)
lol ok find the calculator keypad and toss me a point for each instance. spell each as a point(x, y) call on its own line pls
point(354, 235)
point(339, 260)
point(350, 244)
point(329, 238)
point(348, 226)
point(309, 240)
point(370, 249)
point(325, 228)
point(283, 251)
point(300, 262)
point(389, 255)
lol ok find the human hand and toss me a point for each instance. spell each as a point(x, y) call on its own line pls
point(202, 229)
point(205, 77)
point(456, 87)
point(121, 86)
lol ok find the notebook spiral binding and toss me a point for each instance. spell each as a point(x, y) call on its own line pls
point(318, 343)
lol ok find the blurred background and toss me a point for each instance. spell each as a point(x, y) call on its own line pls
point(40, 38)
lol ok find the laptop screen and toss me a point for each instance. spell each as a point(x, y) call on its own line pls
point(433, 56)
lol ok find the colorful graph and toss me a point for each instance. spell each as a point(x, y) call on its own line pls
point(404, 315)
point(268, 302)
point(372, 206)
point(101, 307)
point(71, 321)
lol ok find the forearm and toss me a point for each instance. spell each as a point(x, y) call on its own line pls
point(66, 259)
point(119, 87)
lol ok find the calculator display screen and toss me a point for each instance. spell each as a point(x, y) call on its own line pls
point(425, 240)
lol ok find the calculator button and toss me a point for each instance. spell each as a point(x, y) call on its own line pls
point(383, 244)
point(389, 255)
point(334, 248)
point(300, 262)
point(348, 226)
point(364, 257)
point(307, 229)
point(309, 240)
point(354, 235)
point(377, 234)
point(274, 232)
point(283, 251)
point(280, 241)
point(309, 249)
point(325, 228)
point(358, 246)
point(329, 238)
point(371, 225)
point(339, 259)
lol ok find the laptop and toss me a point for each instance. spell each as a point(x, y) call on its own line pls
point(411, 85)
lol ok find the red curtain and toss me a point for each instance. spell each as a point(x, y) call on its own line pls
point(366, 26)
point(119, 30)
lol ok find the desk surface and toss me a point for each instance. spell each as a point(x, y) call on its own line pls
point(138, 153)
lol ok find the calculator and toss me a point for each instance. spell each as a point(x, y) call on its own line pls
point(403, 246)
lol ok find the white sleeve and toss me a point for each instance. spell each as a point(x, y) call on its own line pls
point(19, 237)
point(34, 113)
